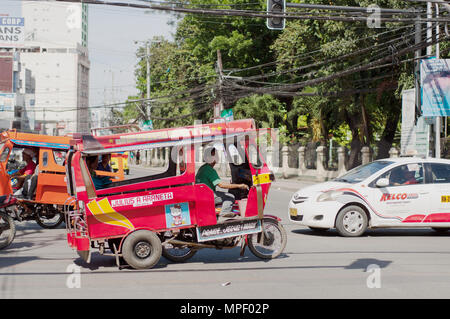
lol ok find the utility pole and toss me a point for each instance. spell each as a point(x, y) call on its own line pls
point(148, 110)
point(437, 124)
point(218, 107)
point(417, 55)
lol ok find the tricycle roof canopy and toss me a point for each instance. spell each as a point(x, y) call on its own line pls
point(164, 137)
point(35, 140)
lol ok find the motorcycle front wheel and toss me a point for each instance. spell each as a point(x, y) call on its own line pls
point(177, 254)
point(273, 243)
point(7, 230)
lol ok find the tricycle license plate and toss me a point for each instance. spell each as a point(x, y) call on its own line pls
point(228, 229)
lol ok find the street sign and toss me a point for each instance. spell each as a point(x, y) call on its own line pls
point(146, 125)
point(227, 115)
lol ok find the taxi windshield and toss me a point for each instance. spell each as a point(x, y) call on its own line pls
point(360, 173)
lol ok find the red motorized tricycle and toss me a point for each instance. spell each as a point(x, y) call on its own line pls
point(168, 213)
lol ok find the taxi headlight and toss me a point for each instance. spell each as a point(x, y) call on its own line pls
point(297, 199)
point(329, 196)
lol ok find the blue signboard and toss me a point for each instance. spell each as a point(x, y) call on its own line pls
point(12, 21)
point(435, 87)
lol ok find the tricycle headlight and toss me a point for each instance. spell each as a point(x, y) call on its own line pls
point(329, 196)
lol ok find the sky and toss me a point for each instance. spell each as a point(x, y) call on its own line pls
point(112, 50)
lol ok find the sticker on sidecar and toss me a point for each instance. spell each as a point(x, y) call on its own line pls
point(177, 215)
point(141, 200)
point(229, 229)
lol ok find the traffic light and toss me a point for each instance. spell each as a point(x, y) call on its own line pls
point(274, 7)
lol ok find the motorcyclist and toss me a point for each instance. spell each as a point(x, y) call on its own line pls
point(27, 155)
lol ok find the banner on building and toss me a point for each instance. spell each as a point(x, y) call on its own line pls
point(12, 32)
point(435, 87)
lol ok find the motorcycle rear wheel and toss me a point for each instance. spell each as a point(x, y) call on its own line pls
point(49, 217)
point(274, 242)
point(7, 230)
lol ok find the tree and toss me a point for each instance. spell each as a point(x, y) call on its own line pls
point(366, 113)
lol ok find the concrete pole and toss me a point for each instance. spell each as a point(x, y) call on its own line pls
point(438, 118)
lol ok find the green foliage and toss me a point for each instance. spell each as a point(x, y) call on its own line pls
point(184, 75)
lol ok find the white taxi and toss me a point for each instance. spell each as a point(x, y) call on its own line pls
point(393, 192)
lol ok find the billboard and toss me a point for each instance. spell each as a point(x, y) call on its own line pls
point(435, 87)
point(12, 32)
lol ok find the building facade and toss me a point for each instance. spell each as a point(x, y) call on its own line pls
point(55, 50)
point(16, 93)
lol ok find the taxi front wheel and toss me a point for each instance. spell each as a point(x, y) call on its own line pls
point(142, 249)
point(351, 221)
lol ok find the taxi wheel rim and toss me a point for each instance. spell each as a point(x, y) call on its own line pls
point(353, 221)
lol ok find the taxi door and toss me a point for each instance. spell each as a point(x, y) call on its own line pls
point(438, 183)
point(405, 198)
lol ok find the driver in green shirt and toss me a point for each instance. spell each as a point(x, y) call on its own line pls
point(207, 175)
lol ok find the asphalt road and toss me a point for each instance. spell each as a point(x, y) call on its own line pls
point(383, 264)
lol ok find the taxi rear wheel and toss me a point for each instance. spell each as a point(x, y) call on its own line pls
point(142, 249)
point(351, 221)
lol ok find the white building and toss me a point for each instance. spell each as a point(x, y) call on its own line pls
point(55, 50)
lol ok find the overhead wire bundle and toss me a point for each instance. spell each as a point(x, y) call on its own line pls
point(389, 52)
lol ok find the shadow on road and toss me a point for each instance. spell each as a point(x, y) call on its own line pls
point(364, 263)
point(205, 256)
point(15, 260)
point(375, 233)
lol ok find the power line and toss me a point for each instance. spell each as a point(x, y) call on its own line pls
point(248, 13)
point(327, 61)
point(289, 87)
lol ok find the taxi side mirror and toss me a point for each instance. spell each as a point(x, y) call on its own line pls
point(382, 182)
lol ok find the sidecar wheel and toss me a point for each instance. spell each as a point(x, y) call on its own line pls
point(142, 249)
